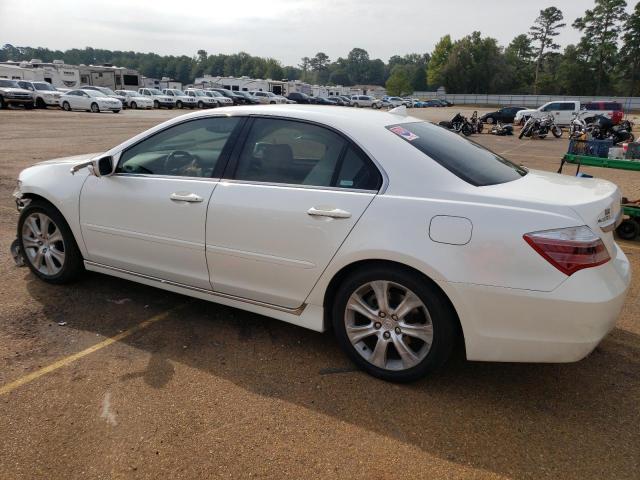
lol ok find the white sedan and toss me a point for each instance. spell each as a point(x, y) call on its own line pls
point(402, 236)
point(135, 100)
point(269, 98)
point(89, 100)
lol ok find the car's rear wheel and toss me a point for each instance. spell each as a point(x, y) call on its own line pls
point(393, 324)
point(47, 244)
point(200, 104)
point(66, 107)
point(40, 103)
point(179, 104)
point(95, 108)
point(628, 229)
point(489, 120)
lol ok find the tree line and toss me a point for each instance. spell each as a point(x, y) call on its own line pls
point(606, 60)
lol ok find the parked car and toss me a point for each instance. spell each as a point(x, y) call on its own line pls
point(336, 101)
point(392, 102)
point(220, 98)
point(12, 94)
point(346, 100)
point(299, 97)
point(611, 110)
point(202, 98)
point(89, 100)
point(266, 97)
point(504, 115)
point(182, 99)
point(158, 98)
point(407, 102)
point(43, 93)
point(432, 103)
point(478, 255)
point(251, 100)
point(365, 101)
point(236, 99)
point(286, 100)
point(134, 100)
point(323, 101)
point(446, 103)
point(108, 92)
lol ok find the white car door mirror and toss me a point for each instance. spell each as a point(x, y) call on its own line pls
point(100, 167)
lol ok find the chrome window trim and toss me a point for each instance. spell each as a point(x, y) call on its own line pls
point(293, 311)
point(296, 185)
point(167, 177)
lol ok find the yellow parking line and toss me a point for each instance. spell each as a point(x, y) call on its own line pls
point(76, 356)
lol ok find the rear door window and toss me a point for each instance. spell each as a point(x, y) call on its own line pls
point(467, 160)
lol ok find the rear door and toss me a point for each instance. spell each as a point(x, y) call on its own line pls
point(293, 193)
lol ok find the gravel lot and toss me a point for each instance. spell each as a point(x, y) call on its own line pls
point(209, 391)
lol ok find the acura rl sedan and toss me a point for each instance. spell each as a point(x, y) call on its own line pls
point(402, 237)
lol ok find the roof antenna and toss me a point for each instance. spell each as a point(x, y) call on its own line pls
point(401, 110)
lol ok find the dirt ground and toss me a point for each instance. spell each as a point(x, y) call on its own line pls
point(207, 391)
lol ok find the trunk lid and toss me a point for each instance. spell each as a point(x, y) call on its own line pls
point(595, 201)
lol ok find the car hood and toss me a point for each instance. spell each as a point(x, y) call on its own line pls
point(73, 160)
point(15, 90)
point(526, 112)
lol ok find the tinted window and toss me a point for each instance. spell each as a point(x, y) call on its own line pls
point(465, 159)
point(284, 151)
point(567, 106)
point(190, 149)
point(291, 152)
point(612, 106)
point(357, 171)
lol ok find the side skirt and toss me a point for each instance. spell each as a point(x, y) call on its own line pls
point(307, 316)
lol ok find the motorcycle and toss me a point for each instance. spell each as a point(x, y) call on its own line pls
point(540, 128)
point(578, 127)
point(500, 129)
point(460, 123)
point(602, 128)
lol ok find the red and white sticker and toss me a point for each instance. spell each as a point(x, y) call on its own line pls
point(404, 133)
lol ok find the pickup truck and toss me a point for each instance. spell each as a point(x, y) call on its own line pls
point(564, 111)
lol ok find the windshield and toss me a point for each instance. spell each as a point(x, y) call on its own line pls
point(155, 91)
point(179, 93)
point(9, 83)
point(95, 93)
point(271, 94)
point(44, 86)
point(199, 93)
point(466, 159)
point(107, 91)
point(216, 94)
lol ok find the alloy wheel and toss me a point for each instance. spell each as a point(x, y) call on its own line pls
point(43, 244)
point(388, 325)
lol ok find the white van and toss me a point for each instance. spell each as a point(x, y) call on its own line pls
point(563, 112)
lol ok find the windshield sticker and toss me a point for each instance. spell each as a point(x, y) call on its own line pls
point(404, 133)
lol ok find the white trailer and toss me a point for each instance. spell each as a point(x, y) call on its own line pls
point(15, 72)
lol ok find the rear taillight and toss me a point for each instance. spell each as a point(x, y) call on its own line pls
point(569, 249)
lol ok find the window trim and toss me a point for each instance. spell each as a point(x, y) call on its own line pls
point(233, 162)
point(222, 160)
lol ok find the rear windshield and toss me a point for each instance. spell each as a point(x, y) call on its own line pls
point(467, 160)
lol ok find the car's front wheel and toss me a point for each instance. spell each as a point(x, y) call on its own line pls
point(95, 108)
point(393, 323)
point(66, 107)
point(133, 105)
point(47, 244)
point(489, 120)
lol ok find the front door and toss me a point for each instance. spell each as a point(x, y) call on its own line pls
point(295, 192)
point(149, 217)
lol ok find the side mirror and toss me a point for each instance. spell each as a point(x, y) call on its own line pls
point(102, 167)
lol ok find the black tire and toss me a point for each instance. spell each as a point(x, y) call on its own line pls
point(628, 229)
point(179, 104)
point(66, 107)
point(356, 105)
point(489, 120)
point(133, 105)
point(29, 106)
point(557, 131)
point(156, 104)
point(200, 104)
point(272, 103)
point(116, 111)
point(466, 130)
point(522, 133)
point(443, 320)
point(2, 104)
point(95, 108)
point(73, 265)
point(40, 103)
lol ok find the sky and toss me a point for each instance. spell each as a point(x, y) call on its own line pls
point(286, 30)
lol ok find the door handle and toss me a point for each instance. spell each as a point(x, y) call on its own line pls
point(185, 197)
point(330, 212)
